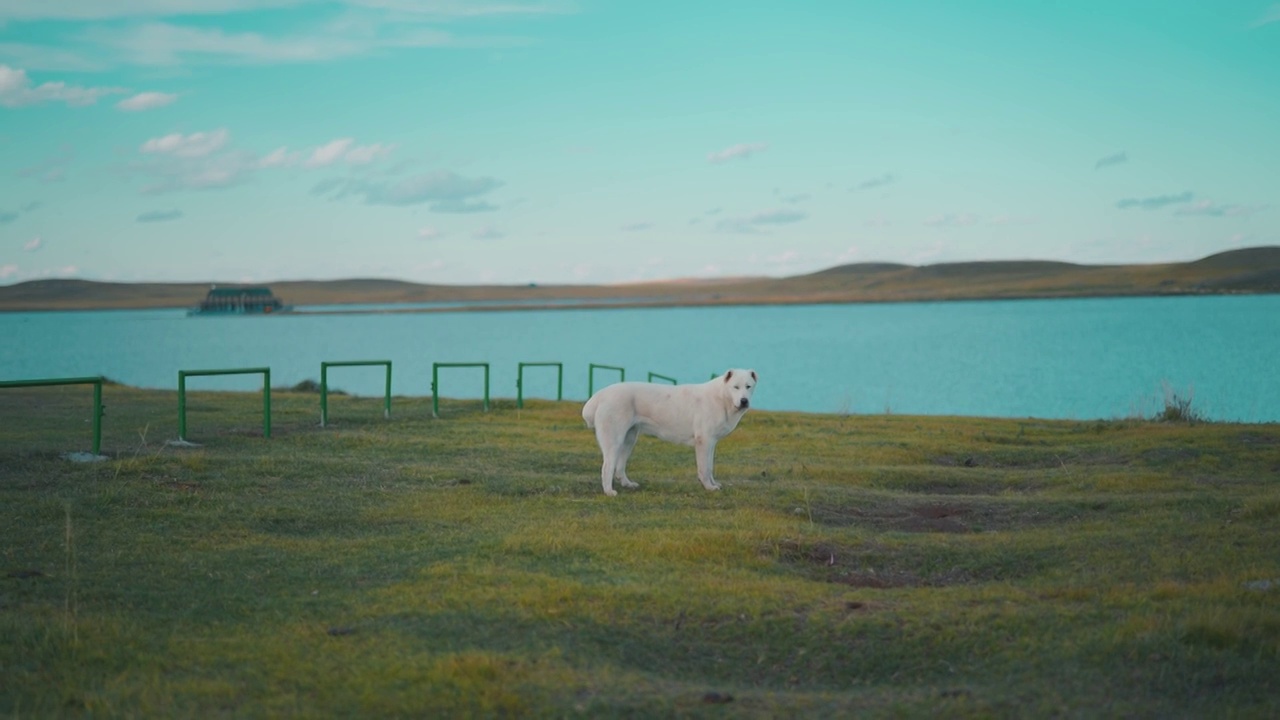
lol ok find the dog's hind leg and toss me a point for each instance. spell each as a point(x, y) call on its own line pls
point(624, 454)
point(610, 447)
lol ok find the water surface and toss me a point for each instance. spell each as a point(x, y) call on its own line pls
point(1077, 358)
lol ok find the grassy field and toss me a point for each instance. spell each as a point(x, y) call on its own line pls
point(868, 565)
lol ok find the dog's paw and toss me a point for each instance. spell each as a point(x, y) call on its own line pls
point(628, 484)
point(611, 492)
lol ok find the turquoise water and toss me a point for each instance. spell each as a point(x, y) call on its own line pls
point(1081, 359)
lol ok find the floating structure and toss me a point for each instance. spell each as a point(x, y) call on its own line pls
point(239, 300)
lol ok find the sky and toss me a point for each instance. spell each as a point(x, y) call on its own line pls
point(613, 141)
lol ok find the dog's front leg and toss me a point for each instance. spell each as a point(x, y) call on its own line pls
point(705, 448)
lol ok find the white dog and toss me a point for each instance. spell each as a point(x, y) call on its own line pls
point(696, 415)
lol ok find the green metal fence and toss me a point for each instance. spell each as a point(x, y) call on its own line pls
point(324, 384)
point(520, 379)
point(654, 375)
point(182, 395)
point(435, 383)
point(96, 382)
point(591, 375)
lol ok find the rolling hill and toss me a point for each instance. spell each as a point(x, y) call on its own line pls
point(1250, 270)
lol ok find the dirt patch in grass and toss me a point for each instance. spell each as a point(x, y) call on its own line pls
point(942, 516)
point(1161, 456)
point(1257, 438)
point(873, 566)
point(1029, 459)
point(959, 483)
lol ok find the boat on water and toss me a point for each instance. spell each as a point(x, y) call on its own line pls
point(240, 300)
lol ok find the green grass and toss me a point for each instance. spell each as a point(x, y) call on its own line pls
point(877, 566)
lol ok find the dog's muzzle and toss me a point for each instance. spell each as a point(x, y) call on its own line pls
point(744, 404)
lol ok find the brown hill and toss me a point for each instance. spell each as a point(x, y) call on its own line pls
point(1250, 270)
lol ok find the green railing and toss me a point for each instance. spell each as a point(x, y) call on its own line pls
point(96, 382)
point(591, 376)
point(654, 375)
point(324, 385)
point(435, 383)
point(520, 379)
point(182, 395)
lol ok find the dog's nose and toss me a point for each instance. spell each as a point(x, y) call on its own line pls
point(744, 404)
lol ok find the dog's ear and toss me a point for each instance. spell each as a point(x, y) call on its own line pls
point(753, 376)
point(728, 375)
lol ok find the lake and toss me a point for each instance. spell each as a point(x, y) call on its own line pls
point(1098, 358)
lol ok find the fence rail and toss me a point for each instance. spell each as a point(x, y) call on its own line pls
point(520, 379)
point(667, 378)
point(324, 384)
point(435, 383)
point(96, 382)
point(591, 375)
point(182, 395)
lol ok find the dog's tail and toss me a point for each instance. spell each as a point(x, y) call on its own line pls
point(589, 411)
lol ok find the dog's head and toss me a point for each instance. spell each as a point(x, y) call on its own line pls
point(740, 385)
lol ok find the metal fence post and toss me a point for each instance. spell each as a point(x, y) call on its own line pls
point(96, 382)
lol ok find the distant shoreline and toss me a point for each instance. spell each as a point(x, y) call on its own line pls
point(638, 304)
point(1249, 271)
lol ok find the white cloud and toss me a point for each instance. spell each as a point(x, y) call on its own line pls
point(952, 220)
point(328, 153)
point(33, 244)
point(8, 271)
point(637, 226)
point(340, 150)
point(1156, 202)
point(852, 254)
point(752, 223)
point(48, 57)
point(446, 191)
point(197, 144)
point(1119, 158)
point(742, 150)
point(1012, 220)
point(99, 10)
point(117, 9)
point(17, 90)
point(159, 216)
point(170, 172)
point(777, 216)
point(365, 154)
point(1272, 15)
point(146, 101)
point(463, 206)
point(278, 158)
point(430, 233)
point(450, 9)
point(166, 44)
point(171, 33)
point(878, 181)
point(53, 169)
point(1212, 209)
point(488, 232)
